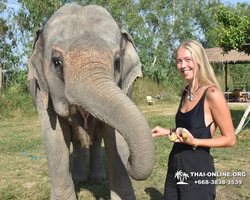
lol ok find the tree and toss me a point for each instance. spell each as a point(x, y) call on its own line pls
point(235, 33)
point(2, 8)
point(166, 24)
point(156, 26)
point(10, 55)
point(7, 42)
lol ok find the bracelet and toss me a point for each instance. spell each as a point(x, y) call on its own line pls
point(170, 131)
point(195, 146)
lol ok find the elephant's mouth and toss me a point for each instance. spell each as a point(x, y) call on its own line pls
point(85, 116)
point(83, 124)
point(80, 116)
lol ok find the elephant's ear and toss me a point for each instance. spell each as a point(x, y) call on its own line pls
point(130, 61)
point(36, 75)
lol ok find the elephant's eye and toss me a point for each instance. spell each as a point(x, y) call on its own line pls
point(57, 64)
point(117, 65)
point(117, 71)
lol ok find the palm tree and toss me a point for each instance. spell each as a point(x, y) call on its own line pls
point(185, 176)
point(181, 176)
point(178, 174)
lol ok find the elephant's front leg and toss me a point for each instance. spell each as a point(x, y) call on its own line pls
point(79, 170)
point(56, 134)
point(57, 148)
point(117, 154)
point(96, 167)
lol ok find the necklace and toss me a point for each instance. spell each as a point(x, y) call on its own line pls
point(190, 95)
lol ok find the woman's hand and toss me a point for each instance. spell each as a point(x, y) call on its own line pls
point(159, 131)
point(190, 140)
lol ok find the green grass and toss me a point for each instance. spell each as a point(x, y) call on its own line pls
point(23, 178)
point(145, 87)
point(16, 102)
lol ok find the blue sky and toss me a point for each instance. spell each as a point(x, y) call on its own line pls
point(224, 1)
point(15, 5)
point(235, 1)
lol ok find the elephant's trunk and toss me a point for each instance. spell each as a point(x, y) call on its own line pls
point(99, 95)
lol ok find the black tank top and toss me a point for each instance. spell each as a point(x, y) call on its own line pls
point(194, 122)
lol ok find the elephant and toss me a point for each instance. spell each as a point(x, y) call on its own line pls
point(81, 74)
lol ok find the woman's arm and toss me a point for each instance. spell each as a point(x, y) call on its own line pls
point(159, 131)
point(222, 118)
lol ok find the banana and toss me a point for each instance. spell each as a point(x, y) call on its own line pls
point(183, 134)
point(173, 137)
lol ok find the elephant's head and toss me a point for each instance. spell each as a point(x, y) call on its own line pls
point(83, 59)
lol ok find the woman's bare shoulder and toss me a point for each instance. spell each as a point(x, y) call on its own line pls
point(214, 94)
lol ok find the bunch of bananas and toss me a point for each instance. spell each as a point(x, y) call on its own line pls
point(181, 133)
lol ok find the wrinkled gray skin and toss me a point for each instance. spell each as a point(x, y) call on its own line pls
point(81, 64)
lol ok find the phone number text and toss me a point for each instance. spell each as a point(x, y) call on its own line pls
point(218, 182)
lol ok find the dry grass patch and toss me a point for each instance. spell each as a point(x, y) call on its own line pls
point(24, 178)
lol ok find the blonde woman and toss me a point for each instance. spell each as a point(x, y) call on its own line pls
point(202, 109)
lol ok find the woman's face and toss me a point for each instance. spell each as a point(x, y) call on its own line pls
point(185, 64)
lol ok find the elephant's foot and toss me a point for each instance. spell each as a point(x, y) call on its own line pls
point(79, 175)
point(114, 196)
point(63, 194)
point(98, 175)
point(79, 179)
point(73, 197)
point(70, 198)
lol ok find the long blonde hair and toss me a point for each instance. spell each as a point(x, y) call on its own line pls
point(206, 74)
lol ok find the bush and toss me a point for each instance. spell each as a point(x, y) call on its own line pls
point(146, 87)
point(16, 100)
